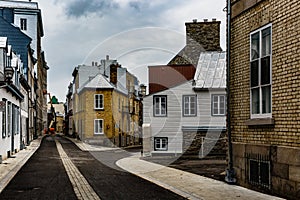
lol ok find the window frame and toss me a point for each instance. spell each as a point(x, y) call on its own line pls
point(98, 101)
point(23, 24)
point(4, 121)
point(101, 124)
point(219, 114)
point(160, 106)
point(9, 119)
point(189, 106)
point(255, 172)
point(261, 86)
point(161, 143)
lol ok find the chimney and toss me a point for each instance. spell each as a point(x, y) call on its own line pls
point(114, 73)
point(206, 34)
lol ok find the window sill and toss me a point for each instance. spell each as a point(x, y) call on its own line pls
point(260, 122)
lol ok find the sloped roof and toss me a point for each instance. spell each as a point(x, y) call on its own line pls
point(211, 71)
point(101, 82)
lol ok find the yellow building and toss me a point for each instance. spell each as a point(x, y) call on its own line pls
point(107, 108)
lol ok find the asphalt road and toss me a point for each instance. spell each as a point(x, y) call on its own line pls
point(44, 176)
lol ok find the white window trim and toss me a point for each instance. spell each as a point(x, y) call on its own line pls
point(265, 115)
point(189, 106)
point(160, 142)
point(160, 107)
point(219, 104)
point(99, 108)
point(98, 133)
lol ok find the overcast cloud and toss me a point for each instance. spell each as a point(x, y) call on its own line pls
point(137, 33)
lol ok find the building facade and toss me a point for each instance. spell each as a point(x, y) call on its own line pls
point(27, 16)
point(264, 91)
point(189, 118)
point(11, 98)
point(104, 105)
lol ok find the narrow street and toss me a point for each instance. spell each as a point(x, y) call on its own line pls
point(44, 176)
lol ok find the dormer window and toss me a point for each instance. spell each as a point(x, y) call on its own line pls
point(23, 24)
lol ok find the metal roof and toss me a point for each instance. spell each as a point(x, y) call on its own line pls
point(101, 82)
point(19, 4)
point(211, 71)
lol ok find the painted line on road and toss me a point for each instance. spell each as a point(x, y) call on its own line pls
point(81, 187)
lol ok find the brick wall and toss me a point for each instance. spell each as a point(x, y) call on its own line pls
point(285, 75)
point(283, 135)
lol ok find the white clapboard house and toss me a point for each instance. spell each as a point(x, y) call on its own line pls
point(179, 119)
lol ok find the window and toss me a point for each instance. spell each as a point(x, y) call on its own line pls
point(160, 106)
point(16, 123)
point(160, 144)
point(261, 72)
point(189, 105)
point(99, 101)
point(3, 108)
point(258, 170)
point(98, 126)
point(23, 24)
point(218, 105)
point(9, 118)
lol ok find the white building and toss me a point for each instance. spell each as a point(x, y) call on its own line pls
point(10, 102)
point(175, 119)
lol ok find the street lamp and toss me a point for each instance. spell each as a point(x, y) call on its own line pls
point(143, 90)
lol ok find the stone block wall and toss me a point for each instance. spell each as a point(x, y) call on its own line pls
point(214, 147)
point(200, 36)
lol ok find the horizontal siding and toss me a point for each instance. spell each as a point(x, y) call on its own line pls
point(170, 126)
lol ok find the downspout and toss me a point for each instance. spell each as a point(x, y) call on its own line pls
point(230, 174)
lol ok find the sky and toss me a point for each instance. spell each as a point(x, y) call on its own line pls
point(137, 33)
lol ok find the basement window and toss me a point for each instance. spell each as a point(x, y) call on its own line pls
point(259, 171)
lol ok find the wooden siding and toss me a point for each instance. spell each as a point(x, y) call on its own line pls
point(171, 125)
